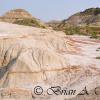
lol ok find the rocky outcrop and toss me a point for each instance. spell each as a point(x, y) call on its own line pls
point(23, 17)
point(17, 14)
point(32, 57)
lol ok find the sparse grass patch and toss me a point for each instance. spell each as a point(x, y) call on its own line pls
point(72, 30)
point(29, 22)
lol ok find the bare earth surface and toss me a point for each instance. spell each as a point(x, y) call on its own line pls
point(32, 57)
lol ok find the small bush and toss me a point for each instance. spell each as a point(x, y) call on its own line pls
point(94, 35)
point(69, 31)
point(72, 30)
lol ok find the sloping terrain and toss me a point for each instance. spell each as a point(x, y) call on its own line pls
point(21, 17)
point(79, 23)
point(88, 16)
point(32, 57)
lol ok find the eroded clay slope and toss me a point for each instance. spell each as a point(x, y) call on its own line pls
point(33, 56)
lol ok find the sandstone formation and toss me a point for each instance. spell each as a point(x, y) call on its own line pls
point(17, 14)
point(32, 57)
point(23, 17)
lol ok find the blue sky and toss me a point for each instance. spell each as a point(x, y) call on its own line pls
point(49, 9)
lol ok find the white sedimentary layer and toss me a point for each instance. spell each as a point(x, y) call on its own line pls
point(33, 56)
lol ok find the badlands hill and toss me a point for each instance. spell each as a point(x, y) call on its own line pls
point(32, 57)
point(89, 16)
point(22, 17)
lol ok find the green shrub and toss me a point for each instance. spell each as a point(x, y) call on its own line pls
point(92, 11)
point(72, 30)
point(94, 35)
point(69, 31)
